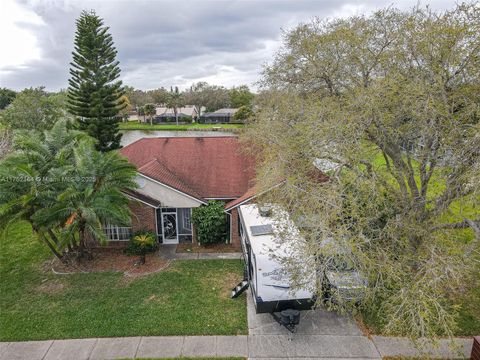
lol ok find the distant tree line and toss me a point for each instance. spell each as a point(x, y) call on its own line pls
point(37, 109)
point(200, 94)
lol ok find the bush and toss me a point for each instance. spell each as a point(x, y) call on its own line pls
point(136, 247)
point(210, 221)
point(243, 114)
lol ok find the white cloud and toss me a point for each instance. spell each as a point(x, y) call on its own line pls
point(162, 43)
point(19, 44)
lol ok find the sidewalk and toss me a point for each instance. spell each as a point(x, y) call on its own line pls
point(251, 346)
point(168, 252)
point(126, 348)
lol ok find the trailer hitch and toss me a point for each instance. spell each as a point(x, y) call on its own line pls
point(288, 318)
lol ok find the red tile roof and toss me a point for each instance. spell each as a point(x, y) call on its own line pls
point(203, 167)
point(155, 170)
point(249, 194)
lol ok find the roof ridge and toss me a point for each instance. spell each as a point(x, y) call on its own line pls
point(147, 163)
point(186, 137)
point(187, 186)
point(134, 142)
point(179, 137)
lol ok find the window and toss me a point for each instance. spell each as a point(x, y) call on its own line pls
point(184, 221)
point(117, 233)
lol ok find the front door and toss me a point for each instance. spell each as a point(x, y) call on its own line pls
point(169, 227)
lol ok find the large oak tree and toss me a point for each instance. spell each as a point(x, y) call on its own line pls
point(388, 106)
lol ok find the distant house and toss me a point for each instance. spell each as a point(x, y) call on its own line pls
point(219, 116)
point(133, 116)
point(188, 113)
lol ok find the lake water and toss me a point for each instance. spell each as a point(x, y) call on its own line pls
point(130, 136)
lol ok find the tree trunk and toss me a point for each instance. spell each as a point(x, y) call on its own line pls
point(80, 249)
point(52, 248)
point(142, 258)
point(81, 242)
point(53, 236)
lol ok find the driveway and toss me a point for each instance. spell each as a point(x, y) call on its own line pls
point(320, 334)
point(312, 322)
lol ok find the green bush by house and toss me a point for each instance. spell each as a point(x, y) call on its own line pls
point(211, 222)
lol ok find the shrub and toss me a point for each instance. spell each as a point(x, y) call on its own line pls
point(142, 242)
point(210, 221)
point(243, 114)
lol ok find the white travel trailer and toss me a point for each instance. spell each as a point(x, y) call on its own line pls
point(262, 245)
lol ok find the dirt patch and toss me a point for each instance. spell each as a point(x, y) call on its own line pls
point(363, 327)
point(225, 283)
point(51, 286)
point(111, 260)
point(216, 248)
point(155, 298)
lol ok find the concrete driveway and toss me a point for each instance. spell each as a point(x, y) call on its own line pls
point(320, 334)
point(312, 322)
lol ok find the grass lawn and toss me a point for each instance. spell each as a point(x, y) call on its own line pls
point(135, 125)
point(189, 298)
point(411, 358)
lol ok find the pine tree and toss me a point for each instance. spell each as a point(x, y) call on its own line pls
point(94, 93)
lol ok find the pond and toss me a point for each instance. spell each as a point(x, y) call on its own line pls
point(130, 136)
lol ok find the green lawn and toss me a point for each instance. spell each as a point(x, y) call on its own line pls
point(189, 298)
point(135, 125)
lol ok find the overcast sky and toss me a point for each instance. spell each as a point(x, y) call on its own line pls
point(162, 43)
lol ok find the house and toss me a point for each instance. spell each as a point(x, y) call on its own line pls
point(178, 174)
point(219, 116)
point(133, 116)
point(188, 113)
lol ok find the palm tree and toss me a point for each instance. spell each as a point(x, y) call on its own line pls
point(174, 101)
point(31, 173)
point(141, 112)
point(144, 240)
point(150, 110)
point(64, 188)
point(94, 196)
